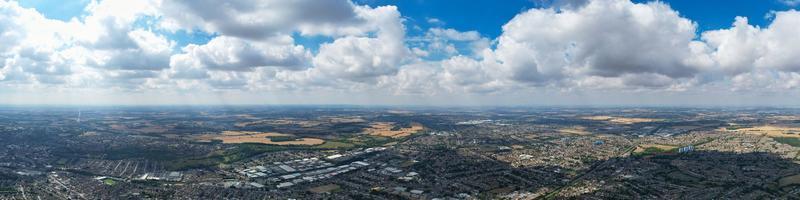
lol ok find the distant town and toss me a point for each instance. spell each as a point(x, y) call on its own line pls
point(354, 152)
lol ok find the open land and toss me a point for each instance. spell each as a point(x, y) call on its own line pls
point(237, 137)
point(388, 129)
point(620, 120)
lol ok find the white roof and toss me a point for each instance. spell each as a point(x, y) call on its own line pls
point(254, 184)
point(285, 184)
point(361, 163)
point(287, 168)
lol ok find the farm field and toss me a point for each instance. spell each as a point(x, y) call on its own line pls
point(620, 120)
point(771, 131)
point(237, 137)
point(386, 129)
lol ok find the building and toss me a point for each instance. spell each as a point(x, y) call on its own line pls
point(686, 149)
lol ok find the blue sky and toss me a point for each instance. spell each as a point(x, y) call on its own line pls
point(488, 16)
point(54, 9)
point(717, 14)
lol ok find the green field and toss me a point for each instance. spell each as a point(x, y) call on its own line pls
point(335, 145)
point(283, 138)
point(795, 142)
point(361, 141)
point(654, 150)
point(8, 190)
point(227, 156)
point(109, 181)
point(737, 127)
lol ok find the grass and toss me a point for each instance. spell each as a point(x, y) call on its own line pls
point(335, 145)
point(362, 141)
point(8, 190)
point(654, 150)
point(795, 142)
point(109, 181)
point(228, 156)
point(282, 138)
point(703, 142)
point(736, 127)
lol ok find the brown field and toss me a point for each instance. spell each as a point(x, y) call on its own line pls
point(338, 120)
point(399, 112)
point(784, 117)
point(620, 120)
point(641, 148)
point(598, 118)
point(237, 137)
point(771, 131)
point(577, 130)
point(246, 116)
point(385, 129)
point(118, 127)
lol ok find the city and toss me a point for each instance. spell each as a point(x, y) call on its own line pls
point(457, 153)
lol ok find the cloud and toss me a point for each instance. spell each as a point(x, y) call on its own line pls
point(435, 21)
point(228, 53)
point(83, 52)
point(29, 47)
point(463, 71)
point(447, 42)
point(258, 19)
point(228, 80)
point(561, 4)
point(602, 38)
point(113, 41)
point(765, 81)
point(736, 49)
point(782, 44)
point(790, 2)
point(361, 58)
point(754, 57)
point(415, 79)
point(452, 34)
point(148, 51)
point(357, 59)
point(262, 46)
point(368, 42)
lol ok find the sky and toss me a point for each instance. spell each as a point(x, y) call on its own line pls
point(400, 52)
